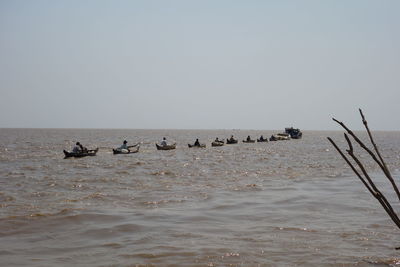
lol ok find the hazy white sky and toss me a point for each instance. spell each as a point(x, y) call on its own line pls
point(217, 64)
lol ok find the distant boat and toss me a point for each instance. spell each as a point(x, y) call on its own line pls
point(231, 141)
point(294, 133)
point(249, 141)
point(126, 151)
point(217, 143)
point(91, 152)
point(279, 137)
point(166, 147)
point(200, 146)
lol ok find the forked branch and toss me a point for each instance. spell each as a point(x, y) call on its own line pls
point(362, 173)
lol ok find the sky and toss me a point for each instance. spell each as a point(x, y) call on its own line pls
point(210, 64)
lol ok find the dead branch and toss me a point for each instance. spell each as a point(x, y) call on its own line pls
point(363, 175)
point(385, 168)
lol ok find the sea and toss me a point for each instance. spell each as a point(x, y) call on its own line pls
point(283, 203)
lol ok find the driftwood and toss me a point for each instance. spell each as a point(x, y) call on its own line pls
point(361, 172)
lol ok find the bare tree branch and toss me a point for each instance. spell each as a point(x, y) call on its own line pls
point(352, 166)
point(385, 168)
point(364, 176)
point(377, 193)
point(378, 161)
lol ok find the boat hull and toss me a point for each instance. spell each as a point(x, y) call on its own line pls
point(217, 143)
point(167, 147)
point(279, 137)
point(125, 151)
point(81, 154)
point(199, 146)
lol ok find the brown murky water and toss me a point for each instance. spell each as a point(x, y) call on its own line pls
point(286, 203)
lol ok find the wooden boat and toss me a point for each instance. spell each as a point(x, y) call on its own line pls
point(231, 141)
point(167, 147)
point(262, 140)
point(125, 151)
point(249, 141)
point(135, 145)
point(91, 152)
point(279, 137)
point(199, 146)
point(216, 143)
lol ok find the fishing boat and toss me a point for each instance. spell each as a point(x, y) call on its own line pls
point(231, 141)
point(279, 137)
point(294, 133)
point(249, 141)
point(166, 147)
point(126, 151)
point(86, 153)
point(217, 143)
point(262, 140)
point(199, 146)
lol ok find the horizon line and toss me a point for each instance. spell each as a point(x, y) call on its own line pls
point(179, 129)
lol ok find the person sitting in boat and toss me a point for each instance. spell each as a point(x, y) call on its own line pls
point(217, 140)
point(248, 138)
point(164, 142)
point(232, 139)
point(124, 146)
point(78, 148)
point(197, 143)
point(262, 138)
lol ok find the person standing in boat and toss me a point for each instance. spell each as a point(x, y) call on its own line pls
point(164, 142)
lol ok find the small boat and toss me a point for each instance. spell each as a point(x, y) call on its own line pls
point(126, 151)
point(91, 152)
point(166, 147)
point(294, 133)
point(217, 143)
point(135, 145)
point(262, 140)
point(249, 141)
point(231, 141)
point(199, 146)
point(279, 137)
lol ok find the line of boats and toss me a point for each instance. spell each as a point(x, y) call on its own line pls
point(290, 133)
